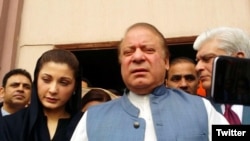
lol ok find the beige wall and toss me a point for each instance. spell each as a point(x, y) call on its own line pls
point(49, 22)
point(10, 14)
point(78, 21)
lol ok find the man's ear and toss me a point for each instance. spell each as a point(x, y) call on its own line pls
point(240, 54)
point(1, 93)
point(167, 64)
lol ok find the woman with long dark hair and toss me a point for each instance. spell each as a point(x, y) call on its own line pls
point(55, 100)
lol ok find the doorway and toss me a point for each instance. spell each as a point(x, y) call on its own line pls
point(99, 61)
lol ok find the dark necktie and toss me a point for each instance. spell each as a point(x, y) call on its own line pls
point(231, 116)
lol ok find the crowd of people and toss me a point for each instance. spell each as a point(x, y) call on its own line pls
point(160, 101)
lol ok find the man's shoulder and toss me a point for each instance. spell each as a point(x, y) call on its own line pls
point(183, 94)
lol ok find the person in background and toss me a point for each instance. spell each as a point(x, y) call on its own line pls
point(93, 97)
point(218, 41)
point(55, 100)
point(200, 90)
point(116, 92)
point(15, 91)
point(182, 75)
point(85, 83)
point(148, 111)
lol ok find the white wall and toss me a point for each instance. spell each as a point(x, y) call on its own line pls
point(50, 22)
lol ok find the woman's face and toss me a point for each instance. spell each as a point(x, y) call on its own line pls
point(55, 85)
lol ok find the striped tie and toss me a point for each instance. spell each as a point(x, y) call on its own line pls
point(231, 116)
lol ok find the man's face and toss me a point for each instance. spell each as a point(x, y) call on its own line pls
point(143, 64)
point(84, 84)
point(183, 76)
point(17, 91)
point(205, 57)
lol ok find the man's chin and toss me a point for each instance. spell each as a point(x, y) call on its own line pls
point(140, 88)
point(140, 82)
point(206, 85)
